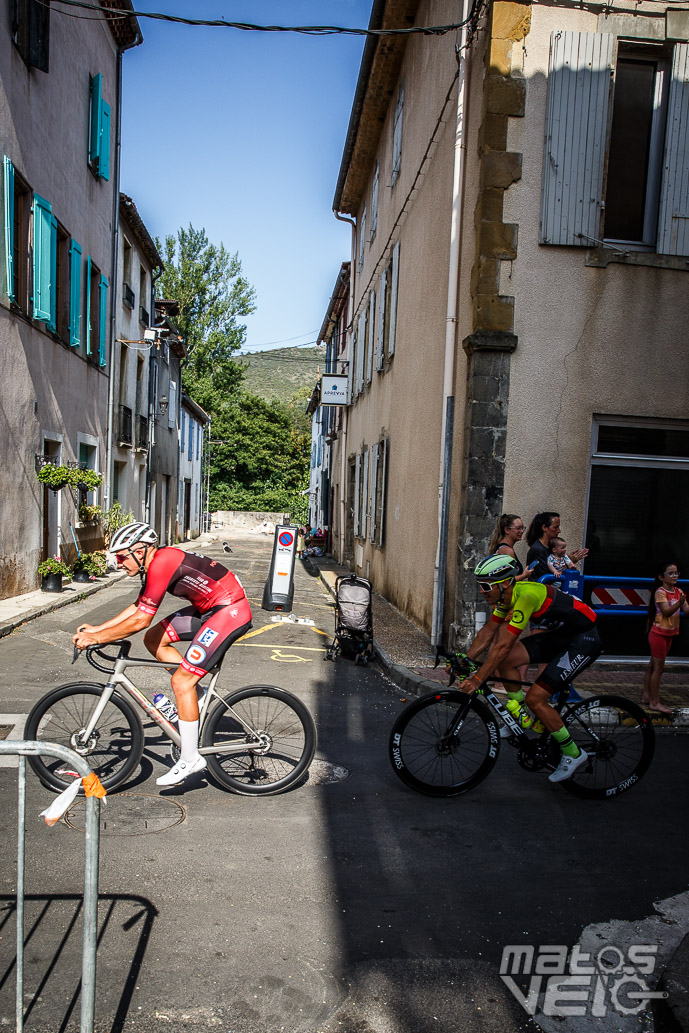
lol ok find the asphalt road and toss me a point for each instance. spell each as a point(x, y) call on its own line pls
point(349, 904)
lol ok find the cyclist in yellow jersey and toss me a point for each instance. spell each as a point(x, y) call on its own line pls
point(569, 644)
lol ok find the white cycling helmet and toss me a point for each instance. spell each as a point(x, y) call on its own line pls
point(136, 533)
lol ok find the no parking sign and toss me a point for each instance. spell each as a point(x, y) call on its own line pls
point(279, 588)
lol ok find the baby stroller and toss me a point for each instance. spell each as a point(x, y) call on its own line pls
point(353, 620)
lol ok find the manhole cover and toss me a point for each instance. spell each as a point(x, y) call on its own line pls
point(323, 773)
point(130, 814)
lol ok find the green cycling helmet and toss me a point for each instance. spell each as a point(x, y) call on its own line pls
point(497, 568)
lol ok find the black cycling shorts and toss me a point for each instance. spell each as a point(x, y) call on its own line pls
point(211, 633)
point(564, 653)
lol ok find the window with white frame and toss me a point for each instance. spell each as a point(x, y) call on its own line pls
point(362, 238)
point(361, 493)
point(374, 199)
point(376, 495)
point(616, 147)
point(387, 309)
point(397, 135)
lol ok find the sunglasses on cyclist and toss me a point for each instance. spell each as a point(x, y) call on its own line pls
point(487, 586)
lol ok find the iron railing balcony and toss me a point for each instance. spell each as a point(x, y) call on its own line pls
point(125, 425)
point(142, 432)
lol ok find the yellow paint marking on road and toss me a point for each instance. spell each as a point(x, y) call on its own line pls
point(290, 658)
point(259, 645)
point(276, 627)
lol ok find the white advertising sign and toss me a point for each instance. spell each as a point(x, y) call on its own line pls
point(334, 389)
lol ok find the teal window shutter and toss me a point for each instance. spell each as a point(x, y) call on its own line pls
point(42, 233)
point(102, 325)
point(87, 327)
point(52, 325)
point(104, 147)
point(74, 294)
point(95, 122)
point(9, 226)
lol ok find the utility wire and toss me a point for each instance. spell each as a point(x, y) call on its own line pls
point(309, 30)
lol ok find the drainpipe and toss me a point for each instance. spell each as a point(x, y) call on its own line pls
point(345, 420)
point(439, 571)
point(107, 492)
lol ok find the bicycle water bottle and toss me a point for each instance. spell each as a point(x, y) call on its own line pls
point(166, 708)
point(519, 714)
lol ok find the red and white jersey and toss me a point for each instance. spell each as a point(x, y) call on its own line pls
point(204, 582)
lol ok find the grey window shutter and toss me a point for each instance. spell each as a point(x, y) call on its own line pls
point(357, 481)
point(380, 345)
point(360, 350)
point(373, 488)
point(393, 297)
point(382, 470)
point(579, 85)
point(371, 335)
point(350, 367)
point(364, 496)
point(673, 219)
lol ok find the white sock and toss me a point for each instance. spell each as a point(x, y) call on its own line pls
point(189, 734)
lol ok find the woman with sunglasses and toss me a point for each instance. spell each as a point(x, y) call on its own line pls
point(509, 530)
point(568, 643)
point(219, 614)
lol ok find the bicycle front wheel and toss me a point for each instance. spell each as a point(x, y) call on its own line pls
point(265, 740)
point(433, 756)
point(113, 748)
point(619, 739)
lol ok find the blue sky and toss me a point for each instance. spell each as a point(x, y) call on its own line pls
point(242, 133)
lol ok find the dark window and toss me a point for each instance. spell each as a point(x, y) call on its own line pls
point(31, 31)
point(644, 441)
point(636, 146)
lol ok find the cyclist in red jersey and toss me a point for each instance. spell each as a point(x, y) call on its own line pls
point(568, 643)
point(218, 615)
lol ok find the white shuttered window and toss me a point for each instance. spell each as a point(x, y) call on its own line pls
point(635, 140)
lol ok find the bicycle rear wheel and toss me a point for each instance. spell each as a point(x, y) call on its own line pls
point(114, 747)
point(276, 736)
point(620, 742)
point(432, 757)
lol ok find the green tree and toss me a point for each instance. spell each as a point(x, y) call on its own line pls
point(212, 294)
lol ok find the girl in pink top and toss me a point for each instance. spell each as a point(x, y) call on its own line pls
point(663, 624)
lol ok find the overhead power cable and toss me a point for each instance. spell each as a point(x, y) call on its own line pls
point(308, 30)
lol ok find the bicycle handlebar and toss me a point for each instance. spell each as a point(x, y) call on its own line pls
point(124, 644)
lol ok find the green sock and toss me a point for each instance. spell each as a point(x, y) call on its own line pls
point(566, 742)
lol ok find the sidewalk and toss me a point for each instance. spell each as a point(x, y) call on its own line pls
point(407, 655)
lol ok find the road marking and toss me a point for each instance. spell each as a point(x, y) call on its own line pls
point(273, 627)
point(17, 721)
point(290, 658)
point(260, 645)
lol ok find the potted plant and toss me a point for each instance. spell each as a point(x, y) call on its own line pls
point(89, 565)
point(55, 477)
point(87, 512)
point(85, 480)
point(52, 572)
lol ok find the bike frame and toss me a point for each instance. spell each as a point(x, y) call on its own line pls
point(118, 679)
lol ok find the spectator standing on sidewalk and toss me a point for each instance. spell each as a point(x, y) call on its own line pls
point(663, 625)
point(301, 543)
point(508, 532)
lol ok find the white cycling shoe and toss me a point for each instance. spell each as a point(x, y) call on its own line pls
point(181, 770)
point(567, 767)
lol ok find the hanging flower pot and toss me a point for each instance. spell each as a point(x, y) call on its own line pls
point(54, 477)
point(51, 583)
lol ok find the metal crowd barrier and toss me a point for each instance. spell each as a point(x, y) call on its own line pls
point(92, 834)
point(573, 583)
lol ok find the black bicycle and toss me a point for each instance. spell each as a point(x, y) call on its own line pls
point(446, 742)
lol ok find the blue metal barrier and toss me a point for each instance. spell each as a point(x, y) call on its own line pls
point(573, 583)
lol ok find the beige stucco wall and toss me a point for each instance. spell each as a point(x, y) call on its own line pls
point(48, 388)
point(405, 402)
point(608, 341)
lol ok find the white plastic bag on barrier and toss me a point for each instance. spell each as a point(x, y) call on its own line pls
point(61, 803)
